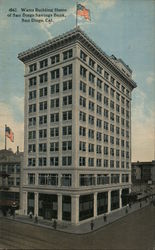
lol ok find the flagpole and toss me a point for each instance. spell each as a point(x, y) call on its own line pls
point(76, 14)
point(5, 136)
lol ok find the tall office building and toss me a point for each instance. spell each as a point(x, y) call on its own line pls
point(77, 129)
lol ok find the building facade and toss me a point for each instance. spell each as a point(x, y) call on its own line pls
point(77, 129)
point(10, 178)
point(143, 172)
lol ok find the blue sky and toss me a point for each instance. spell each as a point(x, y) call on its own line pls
point(124, 28)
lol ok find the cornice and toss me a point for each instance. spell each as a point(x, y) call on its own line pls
point(75, 35)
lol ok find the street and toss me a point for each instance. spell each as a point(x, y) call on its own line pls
point(134, 232)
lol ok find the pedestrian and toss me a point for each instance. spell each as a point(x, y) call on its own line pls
point(92, 225)
point(30, 215)
point(105, 218)
point(54, 224)
point(36, 219)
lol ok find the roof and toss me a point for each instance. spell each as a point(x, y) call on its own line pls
point(74, 35)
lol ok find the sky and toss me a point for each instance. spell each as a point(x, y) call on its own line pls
point(124, 28)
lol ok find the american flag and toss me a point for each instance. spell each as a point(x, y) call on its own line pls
point(82, 11)
point(9, 134)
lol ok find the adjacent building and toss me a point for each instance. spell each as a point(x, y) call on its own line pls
point(10, 177)
point(77, 156)
point(143, 172)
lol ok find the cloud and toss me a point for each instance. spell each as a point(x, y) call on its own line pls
point(7, 117)
point(104, 4)
point(151, 78)
point(143, 122)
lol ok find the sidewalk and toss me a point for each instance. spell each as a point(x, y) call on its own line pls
point(84, 227)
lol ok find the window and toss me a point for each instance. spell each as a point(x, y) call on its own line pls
point(112, 91)
point(98, 162)
point(117, 119)
point(99, 97)
point(82, 131)
point(91, 119)
point(82, 146)
point(112, 105)
point(111, 139)
point(105, 138)
point(43, 105)
point(67, 115)
point(67, 130)
point(106, 75)
point(99, 136)
point(54, 132)
point(55, 103)
point(66, 145)
point(54, 147)
point(32, 148)
point(99, 83)
point(54, 161)
point(106, 125)
point(55, 74)
point(32, 121)
point(91, 63)
point(82, 161)
point(91, 77)
point(117, 152)
point(31, 179)
point(122, 121)
point(117, 96)
point(117, 164)
point(48, 179)
point(32, 108)
point(112, 80)
point(112, 151)
point(66, 180)
point(32, 135)
point(106, 88)
point(43, 92)
point(106, 100)
point(43, 63)
point(42, 147)
point(123, 88)
point(99, 110)
point(117, 130)
point(32, 81)
point(91, 162)
point(67, 85)
point(105, 150)
point(91, 133)
point(42, 133)
point(115, 178)
point(42, 161)
point(83, 87)
point(87, 180)
point(66, 161)
point(106, 113)
point(90, 147)
point(111, 163)
point(117, 85)
point(55, 88)
point(91, 92)
point(67, 54)
point(112, 128)
point(32, 67)
point(106, 163)
point(117, 141)
point(117, 108)
point(111, 116)
point(99, 123)
point(43, 78)
point(82, 116)
point(91, 106)
point(67, 100)
point(32, 94)
point(83, 56)
point(99, 69)
point(122, 100)
point(42, 119)
point(54, 117)
point(83, 71)
point(31, 162)
point(98, 149)
point(82, 101)
point(67, 70)
point(55, 59)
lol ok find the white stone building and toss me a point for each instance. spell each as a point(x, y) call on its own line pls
point(77, 129)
